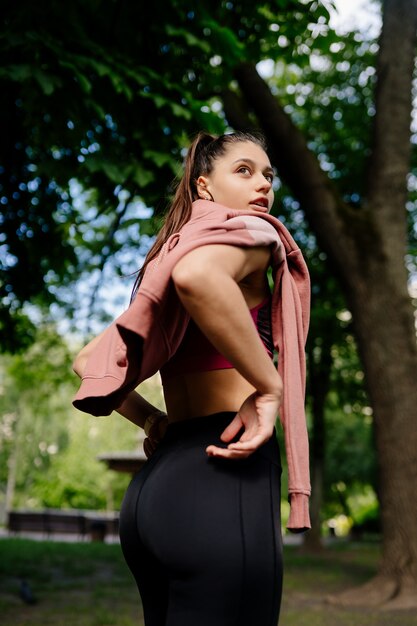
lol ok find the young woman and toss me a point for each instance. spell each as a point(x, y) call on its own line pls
point(200, 523)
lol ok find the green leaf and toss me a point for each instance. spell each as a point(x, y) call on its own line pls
point(159, 101)
point(142, 177)
point(226, 44)
point(93, 164)
point(47, 82)
point(83, 81)
point(18, 73)
point(190, 39)
point(116, 173)
point(180, 111)
point(159, 158)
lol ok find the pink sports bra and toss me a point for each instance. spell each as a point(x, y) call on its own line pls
point(197, 354)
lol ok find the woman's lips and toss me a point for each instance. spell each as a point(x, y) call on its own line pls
point(259, 207)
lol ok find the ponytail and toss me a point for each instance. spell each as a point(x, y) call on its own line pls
point(201, 155)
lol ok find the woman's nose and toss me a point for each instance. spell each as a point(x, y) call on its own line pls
point(263, 183)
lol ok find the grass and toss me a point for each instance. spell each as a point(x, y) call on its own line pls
point(310, 578)
point(88, 584)
point(76, 584)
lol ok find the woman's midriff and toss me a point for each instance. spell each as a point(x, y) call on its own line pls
point(204, 393)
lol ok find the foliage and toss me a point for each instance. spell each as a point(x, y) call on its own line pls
point(55, 447)
point(48, 450)
point(336, 379)
point(99, 109)
point(111, 107)
point(33, 405)
point(75, 477)
point(78, 105)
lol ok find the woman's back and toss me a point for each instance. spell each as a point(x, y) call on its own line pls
point(200, 393)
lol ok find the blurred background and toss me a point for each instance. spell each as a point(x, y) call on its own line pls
point(99, 100)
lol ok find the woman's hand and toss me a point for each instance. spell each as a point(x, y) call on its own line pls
point(155, 427)
point(257, 416)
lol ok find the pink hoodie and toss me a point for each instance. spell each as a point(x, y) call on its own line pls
point(144, 337)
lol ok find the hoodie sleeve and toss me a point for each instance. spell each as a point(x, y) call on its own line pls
point(290, 316)
point(290, 310)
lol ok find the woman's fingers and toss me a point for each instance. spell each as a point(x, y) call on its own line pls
point(257, 417)
point(156, 434)
point(226, 453)
point(232, 429)
point(149, 446)
point(240, 449)
point(249, 444)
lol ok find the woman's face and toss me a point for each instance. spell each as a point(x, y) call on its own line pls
point(241, 179)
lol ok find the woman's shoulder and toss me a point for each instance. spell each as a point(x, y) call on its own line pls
point(262, 223)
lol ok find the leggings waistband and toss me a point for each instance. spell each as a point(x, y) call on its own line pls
point(207, 429)
point(213, 424)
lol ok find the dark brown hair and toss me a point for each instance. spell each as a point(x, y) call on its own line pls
point(202, 153)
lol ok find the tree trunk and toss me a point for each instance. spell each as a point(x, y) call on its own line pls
point(11, 479)
point(238, 117)
point(387, 344)
point(368, 246)
point(391, 363)
point(12, 464)
point(319, 369)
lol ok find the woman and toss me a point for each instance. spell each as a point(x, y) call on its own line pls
point(200, 523)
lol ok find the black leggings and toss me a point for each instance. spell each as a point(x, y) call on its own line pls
point(202, 535)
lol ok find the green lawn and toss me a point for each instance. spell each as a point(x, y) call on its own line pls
point(88, 584)
point(76, 584)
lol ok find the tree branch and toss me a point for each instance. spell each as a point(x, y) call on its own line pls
point(236, 111)
point(298, 167)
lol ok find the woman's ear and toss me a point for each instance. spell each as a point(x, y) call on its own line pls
point(202, 190)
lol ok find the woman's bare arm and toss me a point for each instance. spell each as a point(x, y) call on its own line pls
point(207, 281)
point(82, 357)
point(134, 408)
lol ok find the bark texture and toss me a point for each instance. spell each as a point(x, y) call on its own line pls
point(367, 246)
point(319, 370)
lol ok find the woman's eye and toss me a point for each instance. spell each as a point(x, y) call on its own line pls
point(269, 178)
point(244, 169)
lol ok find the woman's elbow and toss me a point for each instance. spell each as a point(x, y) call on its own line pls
point(79, 364)
point(80, 361)
point(188, 279)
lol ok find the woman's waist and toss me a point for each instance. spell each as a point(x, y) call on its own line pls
point(201, 431)
point(205, 393)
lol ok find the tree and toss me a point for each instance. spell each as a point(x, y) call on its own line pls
point(81, 102)
point(332, 371)
point(99, 99)
point(48, 450)
point(35, 390)
point(208, 56)
point(368, 245)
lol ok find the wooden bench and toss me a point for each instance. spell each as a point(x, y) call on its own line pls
point(55, 521)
